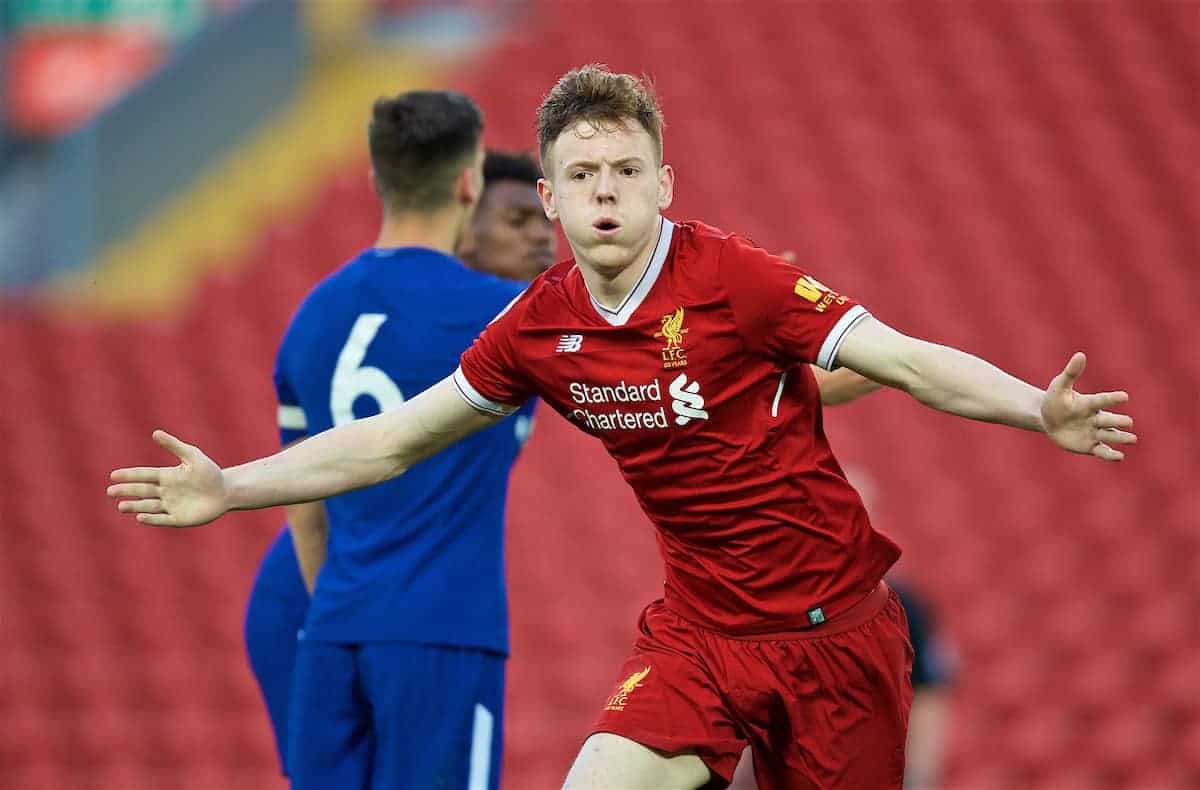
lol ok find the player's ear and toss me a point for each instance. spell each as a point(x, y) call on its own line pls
point(469, 186)
point(666, 186)
point(546, 193)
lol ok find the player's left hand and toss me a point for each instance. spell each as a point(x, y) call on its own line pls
point(1080, 423)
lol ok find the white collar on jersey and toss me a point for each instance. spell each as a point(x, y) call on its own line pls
point(635, 297)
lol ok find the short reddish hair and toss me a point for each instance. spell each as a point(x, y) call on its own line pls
point(594, 94)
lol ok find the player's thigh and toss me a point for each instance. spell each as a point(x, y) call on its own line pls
point(271, 630)
point(609, 761)
point(331, 739)
point(669, 703)
point(439, 713)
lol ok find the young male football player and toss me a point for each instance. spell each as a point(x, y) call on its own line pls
point(684, 350)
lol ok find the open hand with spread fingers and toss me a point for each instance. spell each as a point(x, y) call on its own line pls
point(187, 495)
point(1081, 423)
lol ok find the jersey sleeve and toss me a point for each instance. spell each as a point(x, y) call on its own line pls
point(293, 423)
point(489, 375)
point(781, 311)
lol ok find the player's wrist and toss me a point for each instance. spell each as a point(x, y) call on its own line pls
point(233, 493)
point(1040, 422)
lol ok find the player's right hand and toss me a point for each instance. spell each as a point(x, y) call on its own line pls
point(187, 495)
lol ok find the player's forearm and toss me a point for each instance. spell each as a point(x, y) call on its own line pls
point(342, 459)
point(842, 385)
point(958, 383)
point(357, 454)
point(310, 535)
point(926, 736)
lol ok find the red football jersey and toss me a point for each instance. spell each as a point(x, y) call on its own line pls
point(698, 387)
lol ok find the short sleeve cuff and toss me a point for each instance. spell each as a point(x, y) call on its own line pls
point(292, 418)
point(827, 357)
point(476, 399)
point(293, 424)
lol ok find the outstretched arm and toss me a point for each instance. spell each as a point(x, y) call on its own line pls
point(351, 456)
point(955, 382)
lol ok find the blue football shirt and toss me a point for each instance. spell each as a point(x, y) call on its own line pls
point(418, 558)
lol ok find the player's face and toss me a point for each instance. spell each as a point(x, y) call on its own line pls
point(606, 186)
point(510, 236)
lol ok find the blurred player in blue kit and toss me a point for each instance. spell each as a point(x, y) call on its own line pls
point(407, 631)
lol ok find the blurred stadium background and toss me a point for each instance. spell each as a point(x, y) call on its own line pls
point(1019, 180)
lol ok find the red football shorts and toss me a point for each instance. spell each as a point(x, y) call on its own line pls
point(826, 707)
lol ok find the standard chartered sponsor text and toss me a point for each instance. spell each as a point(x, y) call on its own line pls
point(619, 419)
point(621, 393)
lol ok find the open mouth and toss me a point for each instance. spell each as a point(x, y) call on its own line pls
point(605, 225)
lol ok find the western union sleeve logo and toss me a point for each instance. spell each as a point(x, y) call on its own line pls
point(810, 290)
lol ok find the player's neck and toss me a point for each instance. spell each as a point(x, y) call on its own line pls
point(438, 230)
point(610, 282)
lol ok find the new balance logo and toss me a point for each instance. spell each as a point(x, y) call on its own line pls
point(569, 344)
point(688, 403)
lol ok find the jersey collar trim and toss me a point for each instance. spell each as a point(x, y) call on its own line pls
point(634, 298)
